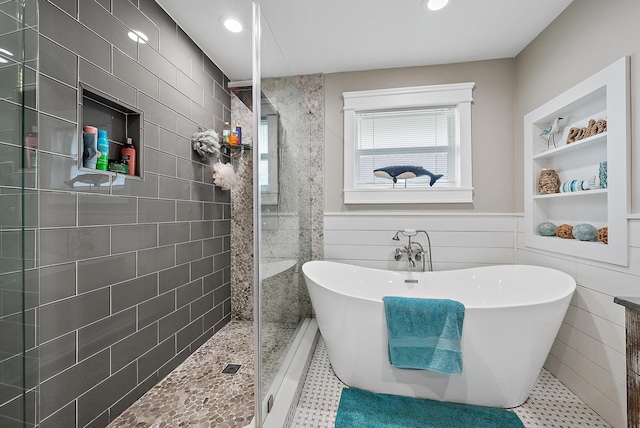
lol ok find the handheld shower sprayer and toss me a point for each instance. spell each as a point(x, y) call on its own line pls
point(413, 254)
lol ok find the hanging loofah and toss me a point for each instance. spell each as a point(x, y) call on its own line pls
point(206, 143)
point(224, 175)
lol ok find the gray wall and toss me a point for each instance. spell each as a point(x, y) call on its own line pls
point(588, 36)
point(134, 275)
point(492, 132)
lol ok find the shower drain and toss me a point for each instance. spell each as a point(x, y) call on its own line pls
point(231, 368)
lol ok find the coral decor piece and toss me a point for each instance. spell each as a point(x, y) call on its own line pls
point(565, 231)
point(224, 175)
point(593, 128)
point(206, 143)
point(603, 235)
point(603, 175)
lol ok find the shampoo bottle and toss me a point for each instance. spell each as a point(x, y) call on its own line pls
point(233, 137)
point(226, 132)
point(103, 151)
point(239, 132)
point(128, 155)
point(90, 146)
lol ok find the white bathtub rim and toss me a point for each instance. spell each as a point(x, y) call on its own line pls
point(570, 281)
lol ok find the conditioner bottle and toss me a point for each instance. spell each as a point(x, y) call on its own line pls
point(128, 155)
point(103, 151)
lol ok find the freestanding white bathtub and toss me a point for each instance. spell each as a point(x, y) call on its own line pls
point(512, 316)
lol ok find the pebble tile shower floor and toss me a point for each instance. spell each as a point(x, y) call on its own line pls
point(196, 394)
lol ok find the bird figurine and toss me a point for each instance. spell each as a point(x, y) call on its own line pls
point(550, 131)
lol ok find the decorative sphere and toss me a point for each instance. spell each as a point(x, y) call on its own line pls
point(603, 235)
point(547, 229)
point(584, 232)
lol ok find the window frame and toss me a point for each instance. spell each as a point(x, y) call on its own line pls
point(458, 95)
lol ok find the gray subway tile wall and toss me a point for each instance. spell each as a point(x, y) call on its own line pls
point(99, 78)
point(57, 209)
point(134, 274)
point(131, 72)
point(99, 20)
point(57, 62)
point(68, 32)
point(57, 135)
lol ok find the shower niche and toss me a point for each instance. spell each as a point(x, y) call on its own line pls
point(119, 120)
point(603, 203)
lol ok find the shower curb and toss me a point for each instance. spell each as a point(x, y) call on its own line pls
point(283, 411)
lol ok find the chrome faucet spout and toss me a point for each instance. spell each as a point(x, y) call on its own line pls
point(414, 255)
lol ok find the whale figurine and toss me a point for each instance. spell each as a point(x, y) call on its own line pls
point(404, 172)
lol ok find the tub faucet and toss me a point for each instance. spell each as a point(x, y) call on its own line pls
point(416, 254)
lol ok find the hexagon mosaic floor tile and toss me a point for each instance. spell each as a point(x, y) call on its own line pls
point(550, 404)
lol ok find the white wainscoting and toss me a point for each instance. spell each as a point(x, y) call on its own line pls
point(588, 355)
point(457, 240)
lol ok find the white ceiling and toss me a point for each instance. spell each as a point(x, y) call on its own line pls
point(325, 36)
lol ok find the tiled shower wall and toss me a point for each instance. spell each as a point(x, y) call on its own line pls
point(242, 217)
point(134, 274)
point(18, 219)
point(292, 229)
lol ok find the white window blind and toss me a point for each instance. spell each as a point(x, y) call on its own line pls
point(421, 126)
point(422, 137)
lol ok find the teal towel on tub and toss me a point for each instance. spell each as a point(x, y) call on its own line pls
point(425, 333)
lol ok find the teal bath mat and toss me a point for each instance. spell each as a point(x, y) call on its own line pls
point(364, 409)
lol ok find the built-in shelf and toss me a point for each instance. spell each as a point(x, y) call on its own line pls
point(573, 147)
point(119, 120)
point(605, 95)
point(580, 194)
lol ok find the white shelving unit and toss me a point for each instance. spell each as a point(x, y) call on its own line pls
point(605, 95)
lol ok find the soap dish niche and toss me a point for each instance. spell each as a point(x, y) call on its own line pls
point(120, 120)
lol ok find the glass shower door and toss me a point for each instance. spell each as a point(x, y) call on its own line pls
point(283, 220)
point(18, 214)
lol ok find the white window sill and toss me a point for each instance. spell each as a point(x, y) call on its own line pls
point(438, 195)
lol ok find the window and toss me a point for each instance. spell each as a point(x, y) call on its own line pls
point(268, 154)
point(428, 127)
point(423, 137)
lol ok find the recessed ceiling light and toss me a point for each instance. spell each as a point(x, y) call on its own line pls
point(3, 61)
point(138, 36)
point(434, 4)
point(231, 24)
point(5, 52)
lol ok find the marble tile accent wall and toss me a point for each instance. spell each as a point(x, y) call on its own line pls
point(311, 87)
point(242, 218)
point(134, 274)
point(292, 228)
